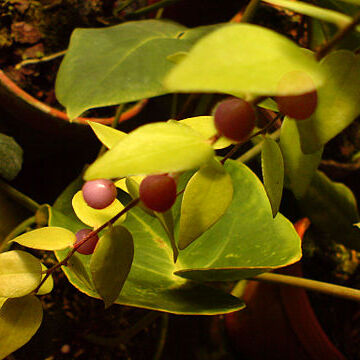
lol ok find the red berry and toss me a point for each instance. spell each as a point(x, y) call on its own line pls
point(88, 246)
point(234, 119)
point(158, 192)
point(298, 107)
point(99, 193)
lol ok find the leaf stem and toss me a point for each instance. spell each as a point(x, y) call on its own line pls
point(325, 49)
point(250, 11)
point(19, 197)
point(40, 60)
point(150, 8)
point(312, 285)
point(85, 239)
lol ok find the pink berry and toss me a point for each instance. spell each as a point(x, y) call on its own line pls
point(158, 192)
point(88, 247)
point(99, 193)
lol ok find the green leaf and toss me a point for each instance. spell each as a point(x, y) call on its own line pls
point(11, 157)
point(177, 57)
point(153, 148)
point(206, 127)
point(272, 165)
point(332, 208)
point(224, 61)
point(106, 134)
point(48, 285)
point(246, 241)
point(151, 283)
point(114, 255)
point(207, 196)
point(2, 301)
point(121, 63)
point(299, 167)
point(338, 101)
point(340, 20)
point(79, 270)
point(20, 273)
point(269, 104)
point(19, 320)
point(47, 238)
point(96, 217)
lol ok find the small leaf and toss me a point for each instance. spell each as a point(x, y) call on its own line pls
point(224, 61)
point(106, 134)
point(113, 255)
point(269, 104)
point(338, 101)
point(273, 173)
point(11, 157)
point(20, 273)
point(79, 270)
point(19, 320)
point(206, 127)
point(153, 149)
point(299, 167)
point(48, 285)
point(96, 217)
point(206, 198)
point(47, 238)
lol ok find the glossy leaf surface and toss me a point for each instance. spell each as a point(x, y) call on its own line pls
point(46, 238)
point(19, 320)
point(207, 196)
point(113, 254)
point(224, 61)
point(11, 157)
point(272, 165)
point(20, 273)
point(153, 149)
point(106, 134)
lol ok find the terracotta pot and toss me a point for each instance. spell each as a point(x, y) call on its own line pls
point(279, 323)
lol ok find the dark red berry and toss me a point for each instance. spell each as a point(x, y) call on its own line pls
point(298, 107)
point(99, 193)
point(158, 192)
point(88, 246)
point(234, 119)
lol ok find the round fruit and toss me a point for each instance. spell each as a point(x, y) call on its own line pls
point(299, 107)
point(158, 192)
point(234, 119)
point(88, 247)
point(99, 193)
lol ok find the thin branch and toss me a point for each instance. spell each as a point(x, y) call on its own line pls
point(40, 60)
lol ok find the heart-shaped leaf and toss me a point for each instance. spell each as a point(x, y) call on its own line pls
point(20, 273)
point(150, 149)
point(11, 156)
point(106, 134)
point(47, 238)
point(272, 165)
point(19, 320)
point(299, 167)
point(224, 61)
point(338, 101)
point(113, 254)
point(207, 196)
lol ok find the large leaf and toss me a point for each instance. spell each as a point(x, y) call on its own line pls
point(121, 63)
point(47, 238)
point(19, 320)
point(20, 273)
point(151, 283)
point(207, 196)
point(243, 59)
point(338, 101)
point(272, 165)
point(246, 240)
point(332, 208)
point(299, 167)
point(113, 254)
point(153, 148)
point(11, 156)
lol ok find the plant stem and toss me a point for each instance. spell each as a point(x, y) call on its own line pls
point(313, 285)
point(162, 336)
point(324, 50)
point(250, 11)
point(151, 8)
point(64, 262)
point(40, 60)
point(19, 197)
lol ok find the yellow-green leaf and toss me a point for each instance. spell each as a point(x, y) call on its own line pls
point(47, 238)
point(19, 320)
point(206, 198)
point(48, 285)
point(20, 273)
point(106, 134)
